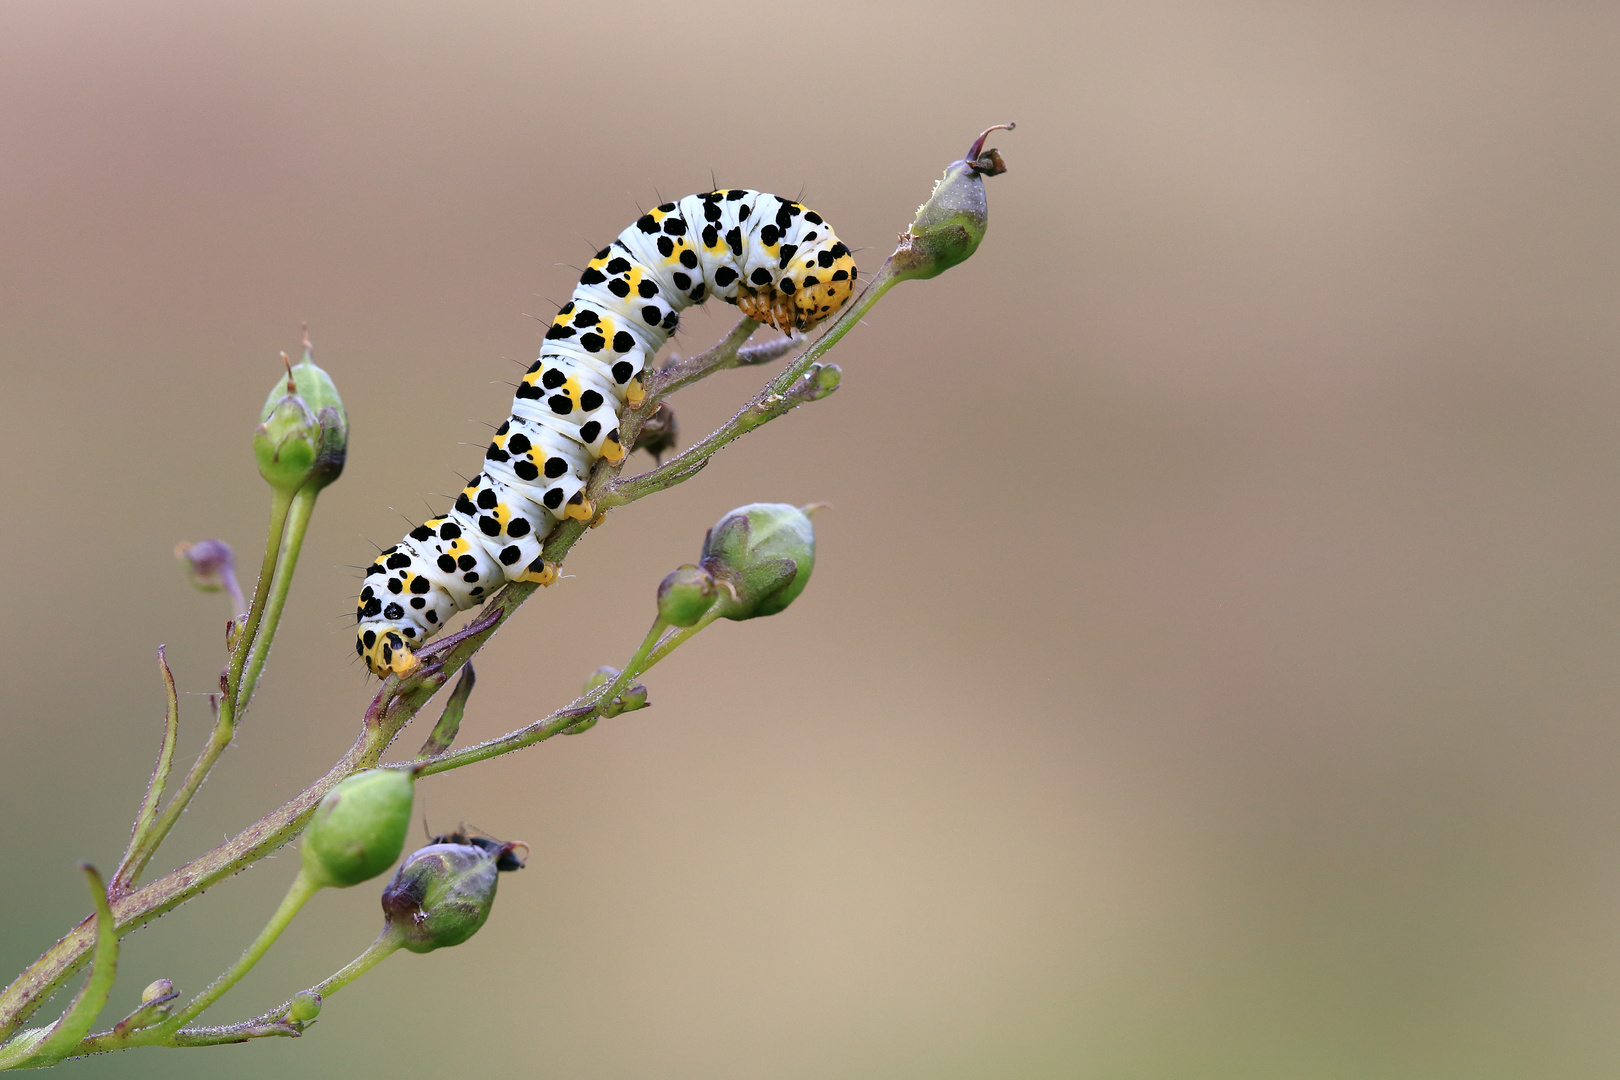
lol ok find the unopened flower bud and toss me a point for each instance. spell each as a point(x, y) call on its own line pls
point(685, 595)
point(826, 378)
point(305, 1006)
point(303, 433)
point(760, 556)
point(157, 1002)
point(600, 677)
point(209, 563)
point(951, 223)
point(212, 568)
point(658, 432)
point(359, 828)
point(635, 697)
point(442, 893)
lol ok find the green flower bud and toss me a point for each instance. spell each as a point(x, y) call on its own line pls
point(600, 677)
point(685, 595)
point(305, 1006)
point(442, 893)
point(633, 698)
point(359, 828)
point(158, 990)
point(761, 556)
point(303, 433)
point(157, 1002)
point(951, 223)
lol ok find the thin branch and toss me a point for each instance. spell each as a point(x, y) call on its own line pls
point(63, 1037)
point(124, 877)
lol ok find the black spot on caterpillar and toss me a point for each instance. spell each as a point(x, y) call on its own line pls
point(775, 260)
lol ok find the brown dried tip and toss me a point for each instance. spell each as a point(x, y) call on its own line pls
point(987, 162)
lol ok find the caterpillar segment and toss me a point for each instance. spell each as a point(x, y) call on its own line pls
point(775, 260)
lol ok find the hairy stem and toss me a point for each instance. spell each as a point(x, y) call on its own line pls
point(298, 894)
point(303, 505)
point(124, 877)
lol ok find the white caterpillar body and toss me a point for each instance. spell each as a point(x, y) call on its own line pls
point(777, 261)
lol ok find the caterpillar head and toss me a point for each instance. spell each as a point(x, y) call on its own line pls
point(383, 649)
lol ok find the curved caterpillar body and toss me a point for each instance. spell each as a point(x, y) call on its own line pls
point(777, 261)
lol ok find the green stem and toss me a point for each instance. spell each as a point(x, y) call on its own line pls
point(298, 894)
point(124, 877)
point(610, 690)
point(61, 1039)
point(225, 724)
point(385, 946)
point(303, 505)
point(280, 504)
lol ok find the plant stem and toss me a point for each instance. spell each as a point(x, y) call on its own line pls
point(280, 503)
point(386, 944)
point(302, 888)
point(123, 877)
point(303, 505)
point(62, 1038)
point(224, 724)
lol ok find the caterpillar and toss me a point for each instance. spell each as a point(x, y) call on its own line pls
point(776, 260)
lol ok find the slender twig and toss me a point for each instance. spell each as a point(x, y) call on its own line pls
point(303, 505)
point(123, 877)
point(61, 1038)
point(302, 888)
point(225, 722)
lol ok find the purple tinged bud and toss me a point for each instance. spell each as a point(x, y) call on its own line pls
point(950, 225)
point(443, 893)
point(658, 433)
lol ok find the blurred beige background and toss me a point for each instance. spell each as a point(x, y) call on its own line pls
point(1209, 669)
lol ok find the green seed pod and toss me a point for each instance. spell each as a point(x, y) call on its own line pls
point(761, 556)
point(951, 223)
point(685, 595)
point(303, 433)
point(443, 893)
point(359, 828)
point(305, 1006)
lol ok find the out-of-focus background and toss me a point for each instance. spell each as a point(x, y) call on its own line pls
point(1210, 665)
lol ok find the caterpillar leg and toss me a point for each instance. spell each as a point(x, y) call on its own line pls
point(580, 508)
point(540, 572)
